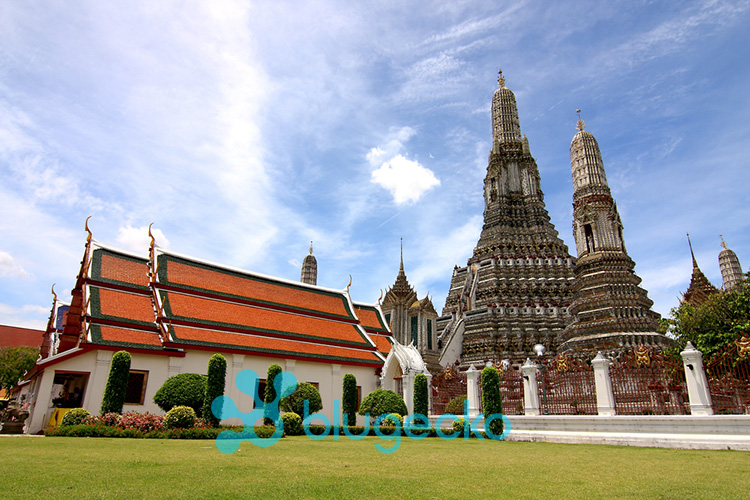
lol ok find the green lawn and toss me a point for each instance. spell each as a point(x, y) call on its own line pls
point(297, 467)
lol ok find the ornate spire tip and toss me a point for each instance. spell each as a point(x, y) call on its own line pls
point(580, 124)
point(500, 79)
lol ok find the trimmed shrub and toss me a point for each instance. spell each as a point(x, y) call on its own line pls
point(144, 422)
point(75, 416)
point(117, 383)
point(292, 424)
point(108, 419)
point(270, 394)
point(349, 402)
point(382, 401)
point(456, 405)
point(295, 402)
point(491, 402)
point(180, 417)
point(390, 421)
point(185, 389)
point(421, 398)
point(217, 373)
point(459, 424)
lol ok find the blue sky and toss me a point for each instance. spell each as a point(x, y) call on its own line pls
point(243, 130)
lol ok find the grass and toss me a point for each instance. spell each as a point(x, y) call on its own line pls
point(298, 467)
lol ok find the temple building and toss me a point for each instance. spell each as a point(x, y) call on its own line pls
point(515, 289)
point(700, 288)
point(412, 321)
point(172, 312)
point(610, 312)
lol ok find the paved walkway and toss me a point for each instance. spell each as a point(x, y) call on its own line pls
point(686, 441)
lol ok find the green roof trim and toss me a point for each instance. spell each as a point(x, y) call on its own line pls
point(96, 268)
point(96, 339)
point(96, 309)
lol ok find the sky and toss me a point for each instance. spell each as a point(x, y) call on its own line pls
point(244, 130)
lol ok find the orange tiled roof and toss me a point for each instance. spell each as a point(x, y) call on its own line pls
point(111, 267)
point(125, 337)
point(282, 347)
point(370, 318)
point(382, 342)
point(13, 336)
point(202, 277)
point(122, 306)
point(219, 313)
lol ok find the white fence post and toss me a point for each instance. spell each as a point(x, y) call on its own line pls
point(472, 390)
point(530, 388)
point(605, 398)
point(697, 383)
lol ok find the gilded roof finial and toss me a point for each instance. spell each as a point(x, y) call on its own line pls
point(86, 227)
point(54, 295)
point(153, 240)
point(723, 243)
point(500, 79)
point(310, 247)
point(381, 296)
point(581, 124)
point(350, 283)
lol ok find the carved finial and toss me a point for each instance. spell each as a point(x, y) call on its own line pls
point(153, 240)
point(310, 247)
point(580, 124)
point(723, 243)
point(381, 296)
point(500, 79)
point(86, 227)
point(54, 295)
point(350, 283)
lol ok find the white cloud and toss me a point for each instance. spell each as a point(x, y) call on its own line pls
point(9, 266)
point(27, 316)
point(406, 180)
point(137, 240)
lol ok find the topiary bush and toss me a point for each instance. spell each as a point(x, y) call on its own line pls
point(456, 405)
point(349, 402)
point(491, 402)
point(390, 421)
point(117, 383)
point(295, 402)
point(460, 424)
point(421, 397)
point(382, 401)
point(217, 373)
point(180, 417)
point(75, 416)
point(270, 394)
point(292, 424)
point(185, 389)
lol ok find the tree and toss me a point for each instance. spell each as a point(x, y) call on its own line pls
point(270, 394)
point(184, 389)
point(713, 324)
point(421, 396)
point(117, 383)
point(14, 363)
point(295, 402)
point(382, 401)
point(491, 402)
point(349, 403)
point(217, 373)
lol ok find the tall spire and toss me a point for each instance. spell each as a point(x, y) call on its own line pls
point(402, 286)
point(505, 124)
point(309, 268)
point(700, 288)
point(729, 264)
